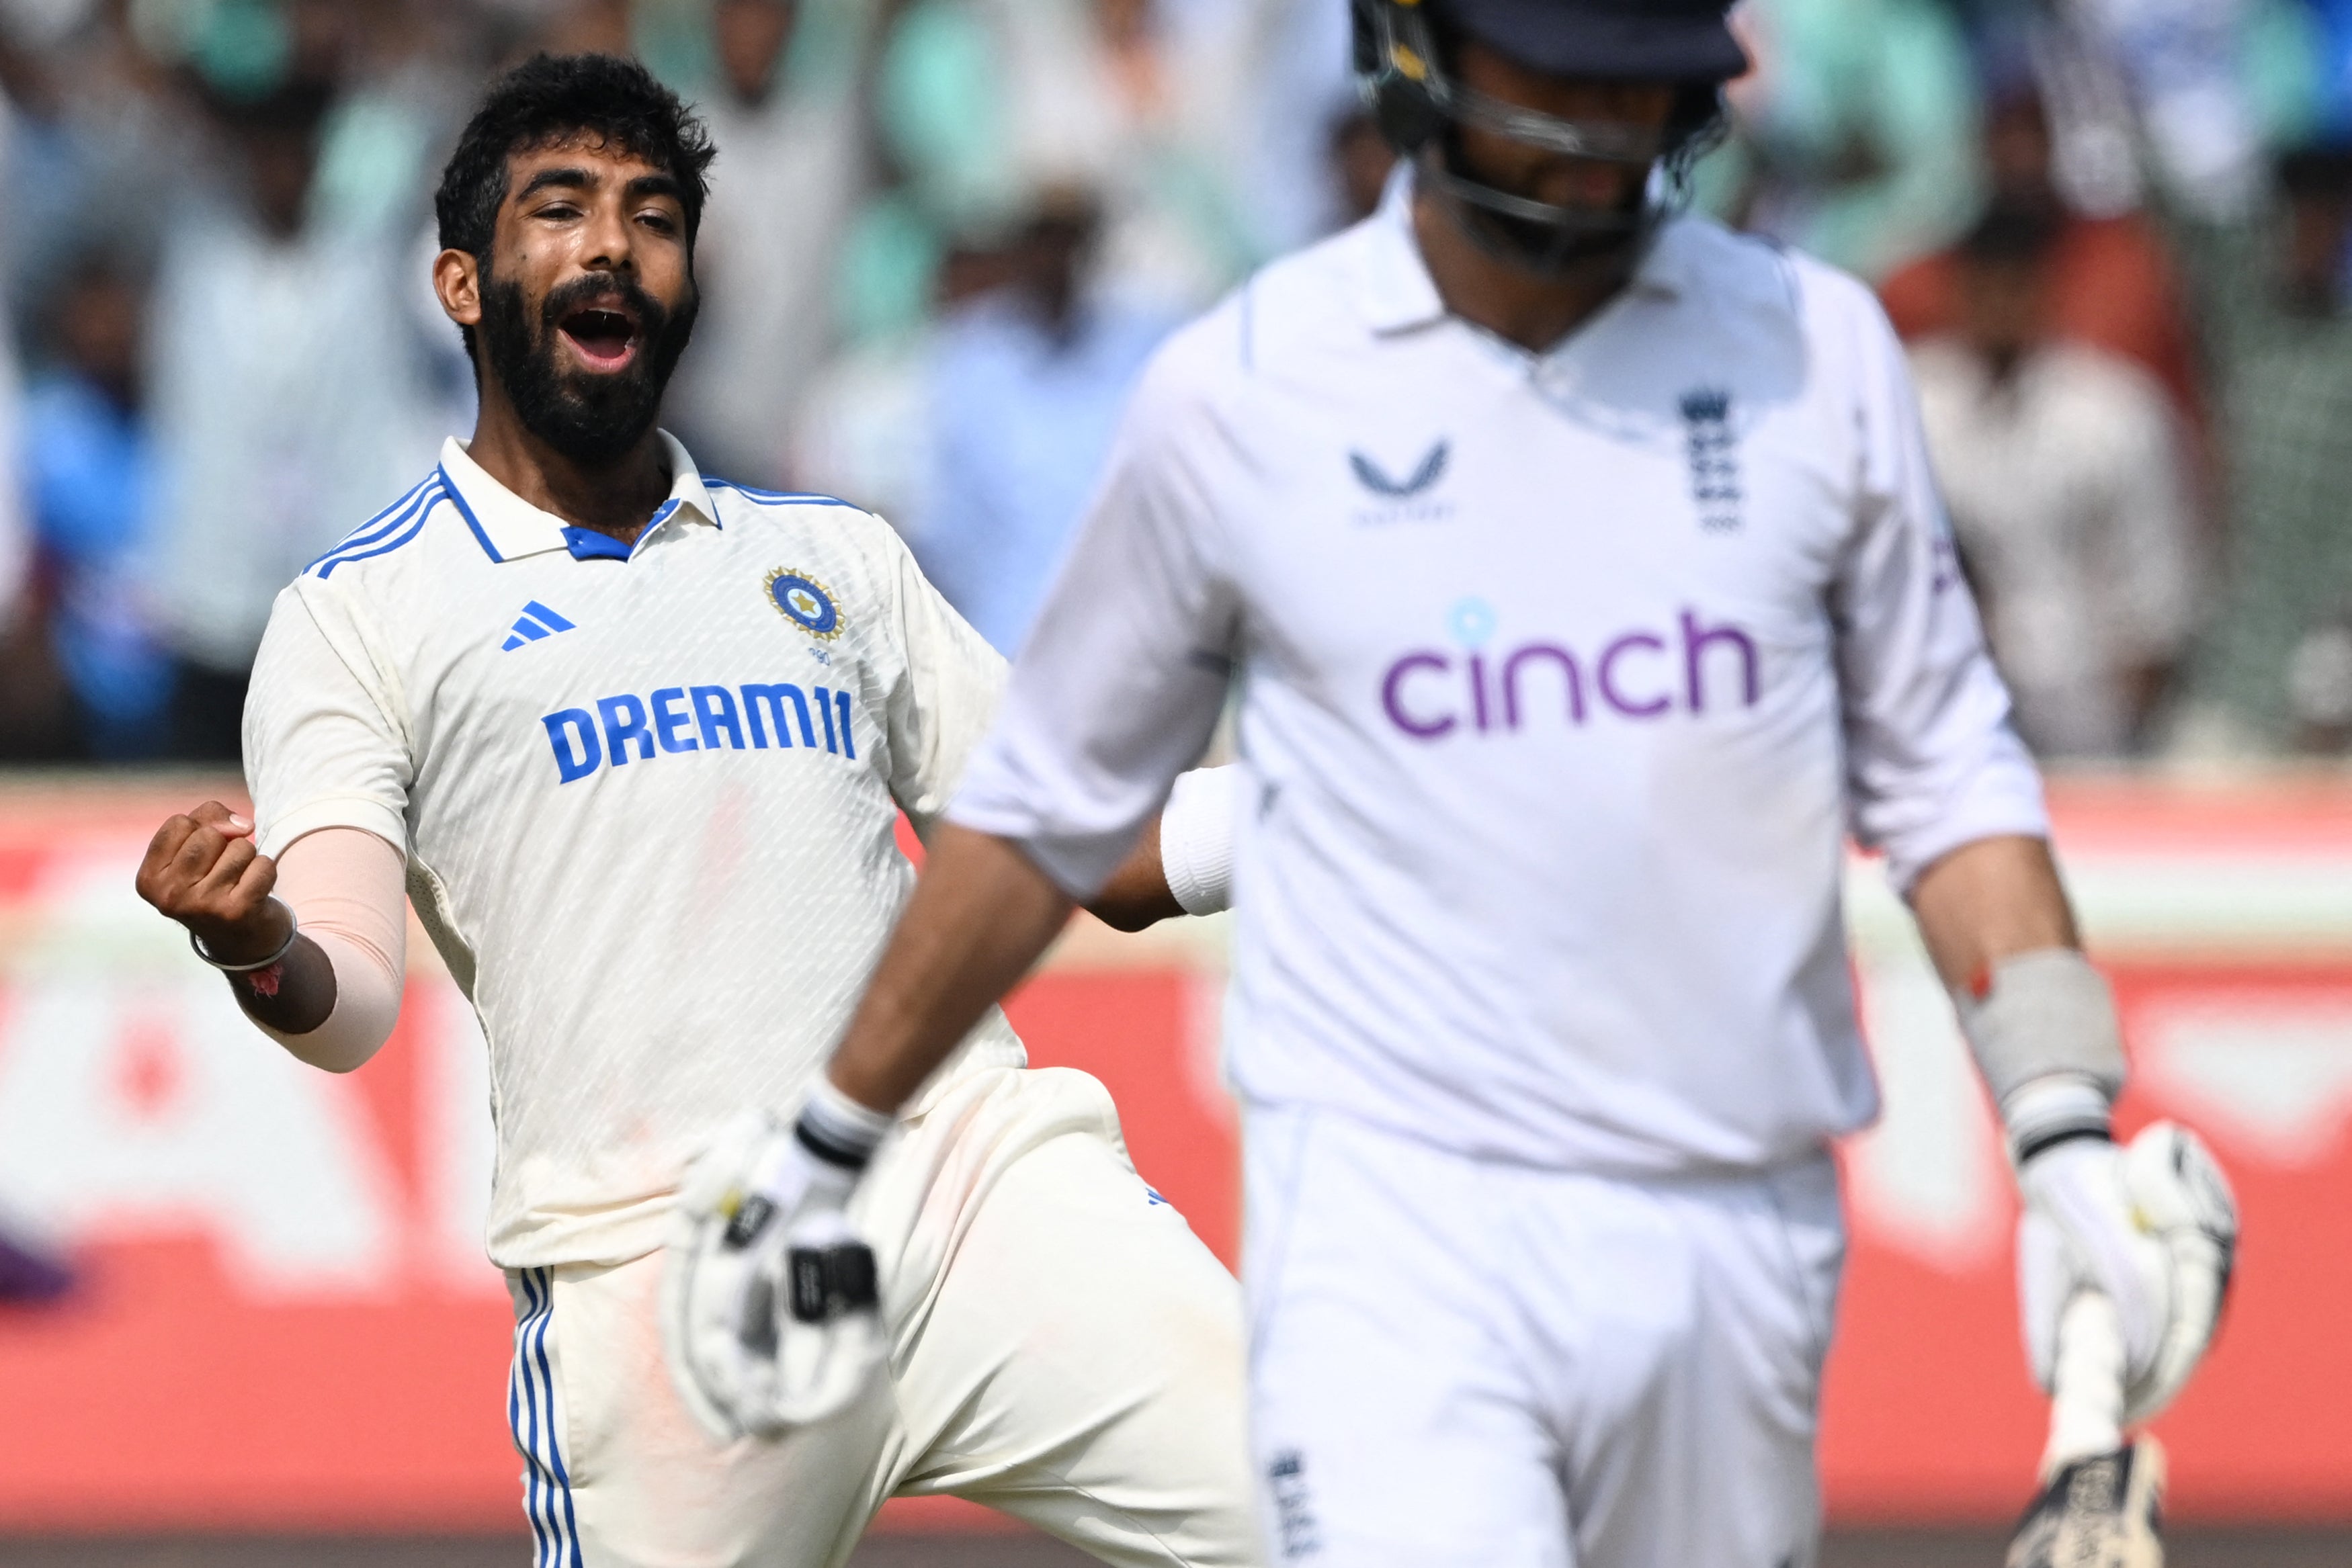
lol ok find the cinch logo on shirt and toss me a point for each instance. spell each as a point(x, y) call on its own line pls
point(1639, 675)
point(627, 728)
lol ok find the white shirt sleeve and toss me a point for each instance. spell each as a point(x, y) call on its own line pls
point(938, 713)
point(1124, 673)
point(1196, 838)
point(324, 743)
point(1932, 762)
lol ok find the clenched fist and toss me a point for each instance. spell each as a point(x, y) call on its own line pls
point(203, 871)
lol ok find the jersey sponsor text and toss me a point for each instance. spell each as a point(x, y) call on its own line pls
point(696, 718)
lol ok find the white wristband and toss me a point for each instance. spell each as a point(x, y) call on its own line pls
point(2054, 1110)
point(837, 1129)
point(2042, 1013)
point(1196, 838)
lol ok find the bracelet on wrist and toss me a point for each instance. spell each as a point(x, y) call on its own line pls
point(294, 929)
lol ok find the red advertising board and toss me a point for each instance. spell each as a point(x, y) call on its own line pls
point(283, 1319)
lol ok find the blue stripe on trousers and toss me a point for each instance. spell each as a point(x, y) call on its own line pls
point(531, 1405)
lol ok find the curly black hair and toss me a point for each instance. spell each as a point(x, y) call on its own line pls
point(549, 99)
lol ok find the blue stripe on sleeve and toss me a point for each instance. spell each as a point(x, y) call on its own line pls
point(401, 515)
point(775, 498)
point(391, 517)
point(415, 527)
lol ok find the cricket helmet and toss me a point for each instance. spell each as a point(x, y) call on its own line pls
point(1403, 50)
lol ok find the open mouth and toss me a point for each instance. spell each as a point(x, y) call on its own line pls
point(605, 337)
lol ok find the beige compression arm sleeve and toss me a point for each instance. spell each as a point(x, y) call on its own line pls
point(348, 890)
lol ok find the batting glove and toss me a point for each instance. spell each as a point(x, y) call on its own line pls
point(771, 1314)
point(2153, 1228)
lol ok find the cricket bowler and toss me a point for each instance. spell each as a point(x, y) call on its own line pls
point(633, 740)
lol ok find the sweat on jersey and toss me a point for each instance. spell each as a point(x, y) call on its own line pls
point(1563, 679)
point(649, 799)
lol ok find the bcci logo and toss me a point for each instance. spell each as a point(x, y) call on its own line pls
point(806, 602)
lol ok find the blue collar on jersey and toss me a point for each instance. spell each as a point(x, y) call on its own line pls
point(509, 528)
point(587, 544)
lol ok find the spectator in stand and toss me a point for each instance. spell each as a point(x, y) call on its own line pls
point(31, 705)
point(289, 396)
point(90, 467)
point(791, 169)
point(1026, 383)
point(12, 478)
point(2062, 465)
point(985, 101)
point(1855, 134)
point(903, 420)
point(2278, 339)
point(1298, 80)
point(93, 148)
point(580, 27)
point(2110, 284)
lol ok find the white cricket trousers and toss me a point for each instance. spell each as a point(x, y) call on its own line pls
point(1064, 1350)
point(1459, 1362)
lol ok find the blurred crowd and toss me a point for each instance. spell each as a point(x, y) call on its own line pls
point(945, 235)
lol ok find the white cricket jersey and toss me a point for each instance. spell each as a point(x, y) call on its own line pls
point(648, 798)
point(1564, 677)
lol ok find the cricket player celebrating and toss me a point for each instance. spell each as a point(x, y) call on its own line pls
point(1587, 586)
point(635, 739)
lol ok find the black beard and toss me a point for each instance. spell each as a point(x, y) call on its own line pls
point(592, 419)
point(1604, 242)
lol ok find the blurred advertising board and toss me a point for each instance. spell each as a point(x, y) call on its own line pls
point(283, 1319)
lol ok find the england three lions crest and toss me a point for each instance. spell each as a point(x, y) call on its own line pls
point(1711, 447)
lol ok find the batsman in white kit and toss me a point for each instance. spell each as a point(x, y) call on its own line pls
point(633, 740)
point(1585, 585)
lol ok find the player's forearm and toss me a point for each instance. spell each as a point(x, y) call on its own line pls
point(346, 886)
point(312, 944)
point(295, 995)
point(980, 918)
point(1989, 901)
point(203, 870)
point(1138, 895)
point(2039, 1019)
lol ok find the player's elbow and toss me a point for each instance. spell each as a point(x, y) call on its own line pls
point(1137, 912)
point(366, 1008)
point(327, 1050)
point(1138, 894)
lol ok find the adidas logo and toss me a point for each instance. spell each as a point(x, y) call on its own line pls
point(535, 622)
